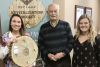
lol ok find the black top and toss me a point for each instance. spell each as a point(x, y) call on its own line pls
point(55, 39)
point(86, 55)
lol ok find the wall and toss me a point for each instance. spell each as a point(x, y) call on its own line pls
point(4, 14)
point(67, 12)
point(62, 7)
point(98, 25)
point(99, 17)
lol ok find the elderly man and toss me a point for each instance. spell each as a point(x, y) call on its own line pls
point(55, 40)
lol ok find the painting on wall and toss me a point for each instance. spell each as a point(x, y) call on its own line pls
point(88, 11)
point(79, 10)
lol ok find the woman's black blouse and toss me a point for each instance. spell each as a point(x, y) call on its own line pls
point(86, 55)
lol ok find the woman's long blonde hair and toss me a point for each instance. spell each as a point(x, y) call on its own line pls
point(91, 33)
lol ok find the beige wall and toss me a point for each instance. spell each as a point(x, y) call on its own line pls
point(68, 7)
point(62, 7)
point(98, 25)
point(99, 14)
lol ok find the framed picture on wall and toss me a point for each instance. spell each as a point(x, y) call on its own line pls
point(79, 10)
point(88, 11)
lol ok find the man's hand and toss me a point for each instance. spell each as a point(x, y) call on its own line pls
point(56, 56)
point(59, 55)
point(51, 57)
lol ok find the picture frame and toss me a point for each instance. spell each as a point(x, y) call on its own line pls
point(88, 11)
point(79, 10)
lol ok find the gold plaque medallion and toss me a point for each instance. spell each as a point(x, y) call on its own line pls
point(25, 52)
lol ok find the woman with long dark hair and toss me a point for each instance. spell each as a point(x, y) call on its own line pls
point(16, 29)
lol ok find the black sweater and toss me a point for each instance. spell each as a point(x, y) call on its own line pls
point(55, 40)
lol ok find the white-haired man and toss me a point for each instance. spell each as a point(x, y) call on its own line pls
point(55, 40)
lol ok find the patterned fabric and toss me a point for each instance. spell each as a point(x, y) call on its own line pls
point(55, 39)
point(8, 61)
point(3, 51)
point(86, 55)
point(98, 50)
point(6, 37)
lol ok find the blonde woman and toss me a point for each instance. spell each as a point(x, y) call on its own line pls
point(87, 44)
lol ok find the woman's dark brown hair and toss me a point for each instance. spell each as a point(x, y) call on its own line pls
point(22, 29)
